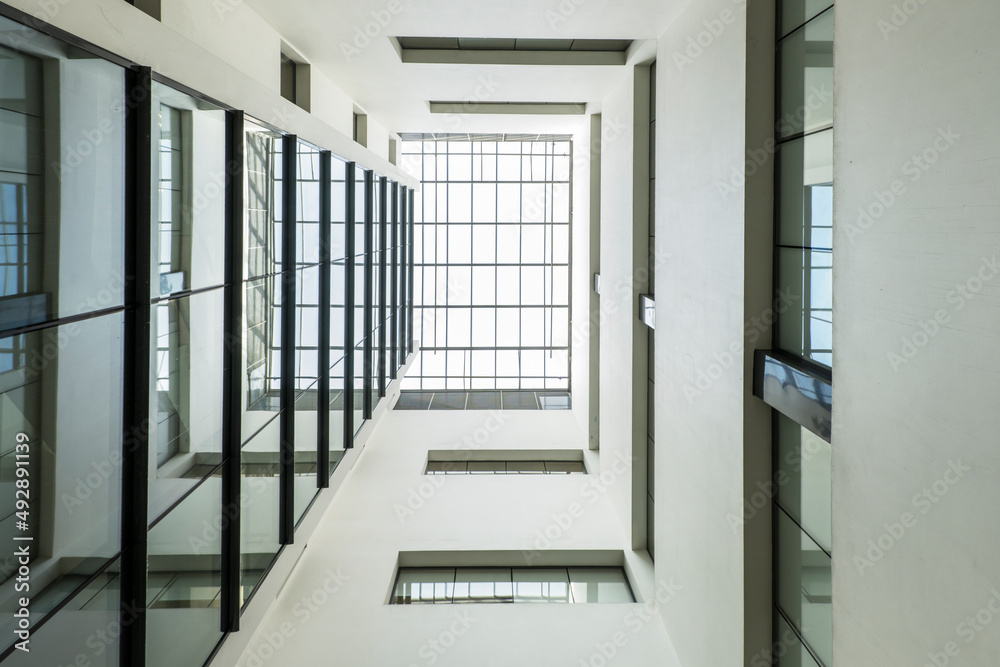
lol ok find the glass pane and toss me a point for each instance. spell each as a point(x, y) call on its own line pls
point(796, 12)
point(806, 58)
point(804, 586)
point(258, 508)
point(62, 191)
point(806, 327)
point(186, 398)
point(803, 479)
point(262, 202)
point(599, 584)
point(416, 585)
point(336, 414)
point(60, 443)
point(805, 206)
point(794, 654)
point(261, 354)
point(483, 585)
point(81, 628)
point(541, 585)
point(189, 195)
point(184, 581)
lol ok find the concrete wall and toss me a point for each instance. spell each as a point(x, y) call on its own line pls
point(701, 381)
point(624, 220)
point(334, 605)
point(916, 298)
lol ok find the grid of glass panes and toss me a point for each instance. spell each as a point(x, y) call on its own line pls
point(804, 261)
point(306, 315)
point(338, 306)
point(804, 206)
point(360, 299)
point(492, 239)
point(458, 585)
point(63, 242)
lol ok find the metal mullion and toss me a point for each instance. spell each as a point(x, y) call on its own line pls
point(325, 303)
point(409, 317)
point(496, 251)
point(349, 301)
point(232, 414)
point(382, 275)
point(137, 364)
point(394, 280)
point(520, 275)
point(369, 314)
point(286, 505)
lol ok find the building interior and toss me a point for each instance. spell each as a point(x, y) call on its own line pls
point(578, 333)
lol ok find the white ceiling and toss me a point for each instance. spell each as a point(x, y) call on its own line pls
point(326, 33)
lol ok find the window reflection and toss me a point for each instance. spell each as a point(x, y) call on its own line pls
point(61, 192)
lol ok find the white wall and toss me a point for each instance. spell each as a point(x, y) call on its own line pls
point(700, 291)
point(901, 422)
point(225, 51)
point(622, 344)
point(387, 505)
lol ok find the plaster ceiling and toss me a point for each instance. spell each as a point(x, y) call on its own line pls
point(350, 43)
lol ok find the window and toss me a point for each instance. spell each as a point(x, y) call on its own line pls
point(536, 467)
point(492, 239)
point(484, 399)
point(560, 585)
point(802, 541)
point(288, 79)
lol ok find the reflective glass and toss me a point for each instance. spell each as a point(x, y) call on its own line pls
point(189, 195)
point(185, 436)
point(62, 182)
point(60, 455)
point(804, 586)
point(804, 487)
point(806, 85)
point(184, 581)
point(262, 202)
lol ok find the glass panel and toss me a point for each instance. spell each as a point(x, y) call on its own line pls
point(805, 172)
point(806, 58)
point(803, 479)
point(416, 585)
point(499, 240)
point(307, 204)
point(796, 12)
point(261, 354)
point(62, 182)
point(806, 327)
point(258, 508)
point(60, 456)
point(599, 584)
point(86, 627)
point(483, 585)
point(189, 195)
point(262, 201)
point(788, 650)
point(185, 396)
point(184, 585)
point(336, 414)
point(804, 587)
point(541, 585)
